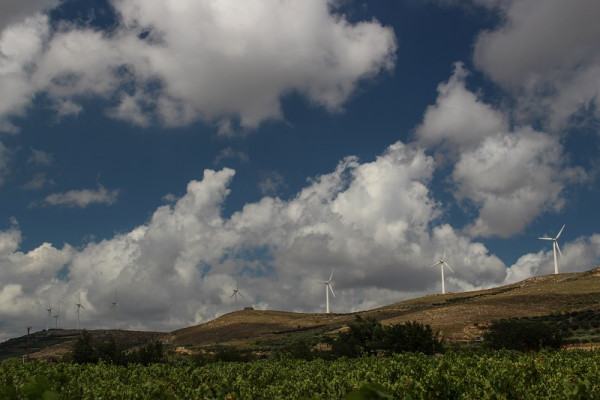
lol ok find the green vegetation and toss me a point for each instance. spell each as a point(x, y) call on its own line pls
point(88, 350)
point(522, 334)
point(472, 375)
point(369, 337)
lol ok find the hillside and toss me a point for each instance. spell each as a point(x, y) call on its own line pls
point(458, 316)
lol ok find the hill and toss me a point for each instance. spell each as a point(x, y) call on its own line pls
point(572, 299)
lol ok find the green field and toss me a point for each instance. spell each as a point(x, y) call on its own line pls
point(454, 375)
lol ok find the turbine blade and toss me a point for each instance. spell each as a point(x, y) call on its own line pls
point(561, 229)
point(446, 264)
point(240, 293)
point(436, 264)
point(558, 248)
point(545, 238)
point(330, 277)
point(444, 257)
point(331, 288)
point(232, 295)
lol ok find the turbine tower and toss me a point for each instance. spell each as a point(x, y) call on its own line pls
point(56, 317)
point(49, 309)
point(78, 304)
point(442, 262)
point(236, 291)
point(114, 307)
point(328, 288)
point(555, 247)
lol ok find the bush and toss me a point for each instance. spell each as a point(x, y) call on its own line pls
point(411, 336)
point(152, 352)
point(368, 336)
point(522, 335)
point(364, 336)
point(84, 349)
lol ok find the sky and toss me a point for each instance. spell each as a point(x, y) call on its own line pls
point(159, 154)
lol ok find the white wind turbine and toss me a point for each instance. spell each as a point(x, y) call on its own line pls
point(114, 307)
point(79, 305)
point(442, 262)
point(236, 291)
point(56, 318)
point(555, 247)
point(49, 309)
point(328, 288)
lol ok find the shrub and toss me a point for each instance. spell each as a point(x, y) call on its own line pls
point(364, 336)
point(411, 336)
point(368, 336)
point(84, 349)
point(522, 335)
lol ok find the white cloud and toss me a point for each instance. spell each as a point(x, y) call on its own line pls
point(191, 61)
point(548, 52)
point(374, 223)
point(13, 11)
point(20, 46)
point(40, 158)
point(579, 255)
point(510, 174)
point(39, 181)
point(459, 118)
point(5, 155)
point(270, 183)
point(231, 154)
point(82, 198)
point(512, 178)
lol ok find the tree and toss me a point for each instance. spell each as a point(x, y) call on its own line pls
point(84, 350)
point(411, 336)
point(524, 335)
point(364, 336)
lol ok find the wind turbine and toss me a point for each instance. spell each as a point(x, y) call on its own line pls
point(78, 307)
point(49, 309)
point(236, 291)
point(56, 317)
point(442, 262)
point(555, 247)
point(328, 288)
point(114, 307)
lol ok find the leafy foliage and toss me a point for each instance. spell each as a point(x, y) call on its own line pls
point(523, 335)
point(489, 374)
point(368, 336)
point(88, 350)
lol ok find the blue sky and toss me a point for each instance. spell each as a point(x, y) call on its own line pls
point(168, 150)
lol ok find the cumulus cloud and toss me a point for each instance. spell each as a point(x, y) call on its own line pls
point(373, 223)
point(459, 118)
point(12, 11)
point(510, 174)
point(579, 255)
point(548, 52)
point(20, 46)
point(82, 198)
point(176, 64)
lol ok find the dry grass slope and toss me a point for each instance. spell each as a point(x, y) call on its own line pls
point(458, 316)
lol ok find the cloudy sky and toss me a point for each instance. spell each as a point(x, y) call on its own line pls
point(169, 150)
